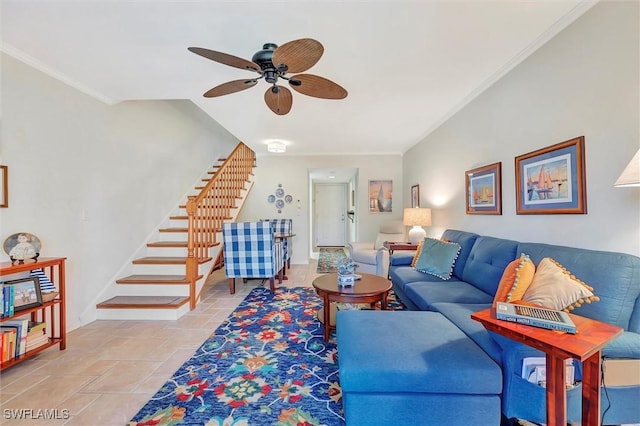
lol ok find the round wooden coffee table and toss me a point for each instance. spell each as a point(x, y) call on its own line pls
point(368, 289)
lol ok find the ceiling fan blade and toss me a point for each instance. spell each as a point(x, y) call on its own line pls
point(316, 86)
point(226, 59)
point(230, 87)
point(278, 99)
point(298, 55)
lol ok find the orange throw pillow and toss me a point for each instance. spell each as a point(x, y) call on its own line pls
point(417, 255)
point(516, 279)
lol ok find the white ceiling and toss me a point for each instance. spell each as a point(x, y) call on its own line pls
point(407, 65)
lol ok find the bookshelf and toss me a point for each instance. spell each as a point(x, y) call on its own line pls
point(52, 312)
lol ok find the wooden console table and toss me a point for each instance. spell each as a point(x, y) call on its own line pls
point(584, 346)
point(391, 246)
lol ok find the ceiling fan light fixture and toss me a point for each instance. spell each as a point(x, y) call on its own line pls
point(274, 62)
point(276, 147)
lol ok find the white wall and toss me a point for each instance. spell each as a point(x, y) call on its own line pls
point(91, 180)
point(585, 81)
point(292, 173)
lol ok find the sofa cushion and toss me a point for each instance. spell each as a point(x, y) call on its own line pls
point(466, 241)
point(515, 280)
point(487, 261)
point(412, 352)
point(613, 276)
point(437, 258)
point(627, 345)
point(424, 293)
point(401, 258)
point(404, 275)
point(554, 287)
point(460, 315)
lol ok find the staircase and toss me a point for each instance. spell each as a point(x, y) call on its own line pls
point(165, 282)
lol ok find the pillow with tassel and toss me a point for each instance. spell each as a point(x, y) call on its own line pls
point(516, 279)
point(554, 287)
point(438, 258)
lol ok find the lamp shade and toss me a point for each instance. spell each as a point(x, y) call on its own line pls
point(631, 174)
point(417, 217)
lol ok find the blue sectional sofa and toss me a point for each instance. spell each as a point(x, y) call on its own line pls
point(368, 391)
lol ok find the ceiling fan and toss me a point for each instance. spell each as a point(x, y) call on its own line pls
point(274, 63)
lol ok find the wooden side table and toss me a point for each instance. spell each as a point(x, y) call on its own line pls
point(584, 346)
point(392, 246)
point(287, 264)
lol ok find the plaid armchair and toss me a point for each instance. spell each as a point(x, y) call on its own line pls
point(251, 251)
point(283, 227)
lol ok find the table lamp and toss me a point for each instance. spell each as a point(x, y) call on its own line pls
point(417, 218)
point(631, 174)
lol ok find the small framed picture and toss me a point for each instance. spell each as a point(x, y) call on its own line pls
point(552, 180)
point(26, 292)
point(380, 196)
point(4, 186)
point(22, 246)
point(484, 189)
point(415, 196)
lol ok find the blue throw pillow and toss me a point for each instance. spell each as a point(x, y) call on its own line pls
point(438, 258)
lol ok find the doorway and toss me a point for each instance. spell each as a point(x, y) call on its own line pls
point(330, 214)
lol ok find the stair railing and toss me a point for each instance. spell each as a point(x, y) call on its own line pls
point(212, 206)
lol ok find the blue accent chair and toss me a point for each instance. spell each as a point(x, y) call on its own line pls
point(251, 251)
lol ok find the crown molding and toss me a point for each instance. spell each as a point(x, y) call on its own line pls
point(29, 60)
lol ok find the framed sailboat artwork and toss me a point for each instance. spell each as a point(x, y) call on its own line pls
point(552, 180)
point(380, 196)
point(484, 189)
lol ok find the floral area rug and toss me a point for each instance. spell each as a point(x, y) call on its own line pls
point(267, 364)
point(328, 259)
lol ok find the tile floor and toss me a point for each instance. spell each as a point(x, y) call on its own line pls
point(111, 368)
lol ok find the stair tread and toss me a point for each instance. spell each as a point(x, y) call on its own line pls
point(184, 217)
point(175, 244)
point(155, 279)
point(132, 302)
point(167, 244)
point(228, 206)
point(161, 260)
point(187, 229)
